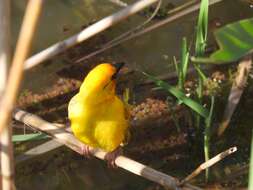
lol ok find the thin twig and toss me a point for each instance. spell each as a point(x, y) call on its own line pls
point(87, 32)
point(16, 71)
point(4, 42)
point(209, 163)
point(181, 7)
point(6, 157)
point(67, 138)
point(119, 3)
point(172, 18)
point(135, 28)
point(237, 89)
point(121, 37)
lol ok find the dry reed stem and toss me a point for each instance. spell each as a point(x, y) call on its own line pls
point(132, 30)
point(87, 32)
point(119, 3)
point(6, 157)
point(67, 138)
point(237, 89)
point(209, 163)
point(4, 42)
point(181, 7)
point(16, 71)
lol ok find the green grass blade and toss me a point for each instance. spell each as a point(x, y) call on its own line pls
point(184, 63)
point(180, 96)
point(207, 134)
point(28, 137)
point(201, 37)
point(175, 64)
point(201, 74)
point(202, 28)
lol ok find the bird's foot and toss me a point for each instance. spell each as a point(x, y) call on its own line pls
point(111, 157)
point(86, 151)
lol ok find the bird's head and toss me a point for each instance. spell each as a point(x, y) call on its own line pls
point(100, 82)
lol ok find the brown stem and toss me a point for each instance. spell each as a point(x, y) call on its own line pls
point(237, 89)
point(16, 71)
point(208, 164)
point(6, 156)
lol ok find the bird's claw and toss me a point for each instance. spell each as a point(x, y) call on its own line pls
point(111, 157)
point(86, 151)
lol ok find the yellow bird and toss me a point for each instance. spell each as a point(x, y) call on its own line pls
point(97, 115)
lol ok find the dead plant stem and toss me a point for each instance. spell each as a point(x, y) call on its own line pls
point(16, 71)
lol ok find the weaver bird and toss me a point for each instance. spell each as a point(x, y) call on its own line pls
point(97, 115)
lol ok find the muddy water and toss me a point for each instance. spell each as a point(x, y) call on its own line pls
point(151, 52)
point(59, 20)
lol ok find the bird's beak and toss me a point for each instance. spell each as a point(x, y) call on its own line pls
point(117, 66)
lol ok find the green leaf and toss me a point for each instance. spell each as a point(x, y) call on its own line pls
point(175, 64)
point(29, 137)
point(207, 134)
point(180, 96)
point(185, 58)
point(202, 28)
point(235, 41)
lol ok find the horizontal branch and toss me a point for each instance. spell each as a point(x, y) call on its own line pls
point(64, 137)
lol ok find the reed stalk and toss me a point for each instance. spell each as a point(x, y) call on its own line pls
point(16, 71)
point(6, 156)
point(240, 82)
point(118, 3)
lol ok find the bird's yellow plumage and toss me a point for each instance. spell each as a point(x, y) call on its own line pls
point(97, 115)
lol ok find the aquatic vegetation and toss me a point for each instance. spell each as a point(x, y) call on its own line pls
point(180, 95)
point(29, 137)
point(229, 52)
point(235, 41)
point(182, 66)
point(200, 45)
